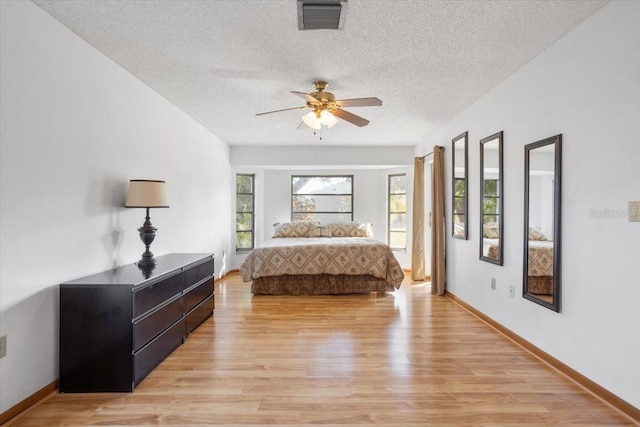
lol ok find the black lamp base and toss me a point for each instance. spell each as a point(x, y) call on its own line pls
point(147, 234)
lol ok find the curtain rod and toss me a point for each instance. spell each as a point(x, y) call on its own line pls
point(436, 147)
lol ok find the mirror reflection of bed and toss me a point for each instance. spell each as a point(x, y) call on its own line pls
point(540, 265)
point(491, 240)
point(542, 221)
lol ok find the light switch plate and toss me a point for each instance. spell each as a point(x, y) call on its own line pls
point(634, 211)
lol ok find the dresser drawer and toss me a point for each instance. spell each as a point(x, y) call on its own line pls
point(200, 314)
point(199, 272)
point(147, 298)
point(155, 352)
point(147, 328)
point(199, 293)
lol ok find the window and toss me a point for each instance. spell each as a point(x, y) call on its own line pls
point(397, 214)
point(490, 203)
point(244, 212)
point(322, 198)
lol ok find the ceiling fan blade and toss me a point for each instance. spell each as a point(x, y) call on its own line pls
point(359, 102)
point(306, 96)
point(286, 109)
point(350, 117)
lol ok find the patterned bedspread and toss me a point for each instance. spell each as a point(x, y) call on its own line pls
point(318, 255)
point(540, 258)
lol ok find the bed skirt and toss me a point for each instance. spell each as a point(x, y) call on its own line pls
point(541, 285)
point(319, 284)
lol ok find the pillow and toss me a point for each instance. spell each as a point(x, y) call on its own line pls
point(490, 230)
point(536, 234)
point(294, 229)
point(321, 231)
point(351, 229)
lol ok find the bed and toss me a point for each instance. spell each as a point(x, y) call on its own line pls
point(307, 258)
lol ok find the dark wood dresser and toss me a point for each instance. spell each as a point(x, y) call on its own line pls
point(117, 326)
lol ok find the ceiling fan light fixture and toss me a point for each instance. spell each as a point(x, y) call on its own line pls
point(311, 120)
point(328, 119)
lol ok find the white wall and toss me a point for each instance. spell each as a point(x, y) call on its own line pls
point(74, 128)
point(586, 87)
point(321, 156)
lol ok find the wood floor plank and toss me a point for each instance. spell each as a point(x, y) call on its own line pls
point(401, 359)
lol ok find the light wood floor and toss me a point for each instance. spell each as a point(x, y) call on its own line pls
point(403, 359)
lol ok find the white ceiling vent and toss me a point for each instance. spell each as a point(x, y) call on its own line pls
point(321, 14)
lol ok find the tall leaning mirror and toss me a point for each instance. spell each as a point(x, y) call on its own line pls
point(491, 199)
point(459, 167)
point(542, 177)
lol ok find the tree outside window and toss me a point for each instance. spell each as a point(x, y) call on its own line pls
point(327, 198)
point(459, 201)
point(244, 212)
point(490, 203)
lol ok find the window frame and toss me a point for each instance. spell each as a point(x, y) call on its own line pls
point(252, 212)
point(292, 194)
point(389, 212)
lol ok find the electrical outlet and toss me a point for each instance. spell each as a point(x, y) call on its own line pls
point(512, 291)
point(493, 283)
point(3, 346)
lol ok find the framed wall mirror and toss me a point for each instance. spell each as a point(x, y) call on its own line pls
point(542, 178)
point(491, 199)
point(459, 184)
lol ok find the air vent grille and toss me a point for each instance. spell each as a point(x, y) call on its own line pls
point(321, 15)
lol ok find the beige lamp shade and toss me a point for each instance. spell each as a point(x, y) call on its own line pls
point(144, 193)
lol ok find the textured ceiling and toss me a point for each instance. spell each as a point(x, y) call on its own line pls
point(222, 61)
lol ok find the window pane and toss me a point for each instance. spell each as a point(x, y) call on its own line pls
point(398, 184)
point(398, 203)
point(458, 219)
point(303, 204)
point(398, 222)
point(321, 203)
point(491, 187)
point(490, 218)
point(321, 184)
point(459, 187)
point(244, 183)
point(244, 240)
point(244, 203)
point(490, 205)
point(244, 222)
point(397, 240)
point(459, 204)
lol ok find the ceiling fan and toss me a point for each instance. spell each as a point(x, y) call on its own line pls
point(325, 107)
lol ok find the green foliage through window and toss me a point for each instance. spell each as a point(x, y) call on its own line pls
point(459, 201)
point(490, 202)
point(322, 198)
point(244, 212)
